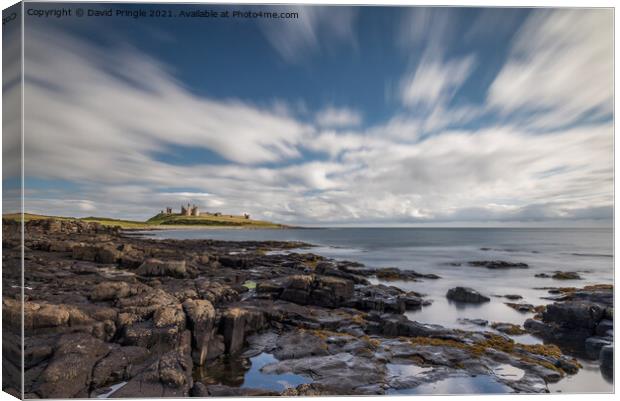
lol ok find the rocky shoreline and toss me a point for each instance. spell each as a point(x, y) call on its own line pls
point(117, 315)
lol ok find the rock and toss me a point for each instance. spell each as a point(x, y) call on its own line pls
point(558, 275)
point(69, 372)
point(542, 275)
point(156, 267)
point(477, 322)
point(169, 316)
point(169, 376)
point(236, 323)
point(508, 328)
point(325, 291)
point(218, 390)
point(106, 253)
point(521, 307)
point(201, 320)
point(513, 297)
point(606, 358)
point(466, 295)
point(110, 291)
point(593, 346)
point(574, 314)
point(119, 365)
point(604, 326)
point(498, 264)
point(383, 298)
point(394, 273)
point(300, 344)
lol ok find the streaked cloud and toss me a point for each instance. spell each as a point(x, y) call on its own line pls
point(316, 28)
point(424, 163)
point(338, 117)
point(560, 68)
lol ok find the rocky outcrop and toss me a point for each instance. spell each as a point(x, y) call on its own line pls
point(466, 295)
point(498, 264)
point(201, 321)
point(581, 319)
point(157, 267)
point(312, 289)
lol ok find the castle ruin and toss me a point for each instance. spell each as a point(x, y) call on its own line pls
point(190, 210)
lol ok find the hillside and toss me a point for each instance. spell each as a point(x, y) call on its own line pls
point(209, 220)
point(164, 221)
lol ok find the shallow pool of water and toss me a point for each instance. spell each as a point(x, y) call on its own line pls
point(481, 384)
point(246, 373)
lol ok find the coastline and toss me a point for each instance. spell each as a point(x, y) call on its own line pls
point(193, 305)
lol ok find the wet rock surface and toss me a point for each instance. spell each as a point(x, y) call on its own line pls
point(581, 320)
point(152, 318)
point(466, 295)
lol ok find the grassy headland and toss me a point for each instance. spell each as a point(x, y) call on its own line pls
point(162, 221)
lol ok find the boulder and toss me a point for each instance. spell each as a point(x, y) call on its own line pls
point(606, 359)
point(466, 295)
point(318, 290)
point(498, 264)
point(236, 323)
point(558, 275)
point(574, 314)
point(201, 320)
point(169, 376)
point(119, 365)
point(593, 346)
point(110, 291)
point(157, 267)
point(68, 374)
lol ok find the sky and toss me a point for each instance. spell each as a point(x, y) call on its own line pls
point(363, 116)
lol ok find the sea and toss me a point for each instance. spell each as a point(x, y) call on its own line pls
point(446, 251)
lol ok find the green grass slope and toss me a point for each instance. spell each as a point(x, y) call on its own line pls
point(163, 221)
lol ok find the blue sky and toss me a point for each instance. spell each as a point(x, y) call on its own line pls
point(344, 116)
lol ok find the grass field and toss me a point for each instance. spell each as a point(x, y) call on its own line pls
point(164, 221)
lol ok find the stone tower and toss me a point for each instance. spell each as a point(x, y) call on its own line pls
point(186, 211)
point(195, 211)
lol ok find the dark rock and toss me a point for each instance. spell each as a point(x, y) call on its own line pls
point(477, 322)
point(604, 326)
point(110, 290)
point(508, 328)
point(69, 372)
point(606, 359)
point(236, 323)
point(558, 275)
point(498, 264)
point(156, 267)
point(119, 365)
point(466, 295)
point(593, 346)
point(169, 376)
point(201, 321)
point(521, 307)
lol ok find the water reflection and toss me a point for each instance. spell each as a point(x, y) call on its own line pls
point(246, 373)
point(481, 384)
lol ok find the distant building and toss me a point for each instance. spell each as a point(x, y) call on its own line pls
point(247, 216)
point(194, 211)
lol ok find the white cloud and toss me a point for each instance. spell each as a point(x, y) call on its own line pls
point(434, 81)
point(338, 117)
point(317, 27)
point(560, 66)
point(97, 119)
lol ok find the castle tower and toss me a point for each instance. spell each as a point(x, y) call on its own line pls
point(195, 211)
